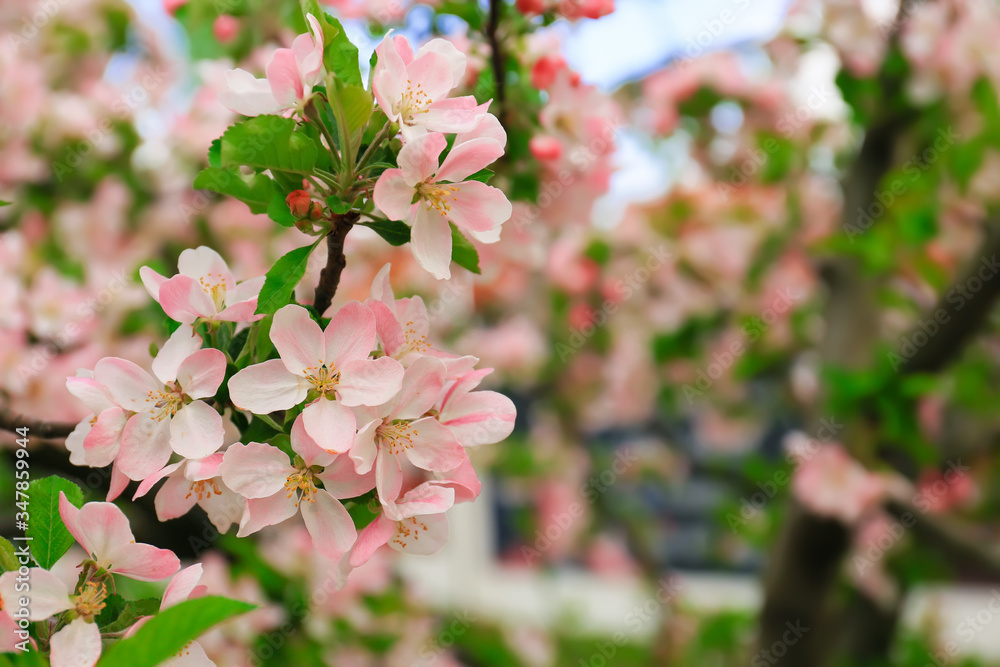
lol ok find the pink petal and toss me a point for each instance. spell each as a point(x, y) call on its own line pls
point(240, 311)
point(285, 79)
point(430, 239)
point(457, 114)
point(119, 482)
point(393, 195)
point(48, 595)
point(245, 292)
point(428, 498)
point(375, 534)
point(363, 451)
point(150, 482)
point(388, 478)
point(152, 280)
point(145, 446)
point(101, 445)
point(433, 72)
point(382, 287)
point(435, 448)
point(181, 586)
point(389, 330)
point(369, 381)
point(418, 159)
point(90, 392)
point(350, 334)
point(204, 468)
point(76, 645)
point(200, 375)
point(143, 562)
point(306, 446)
point(264, 388)
point(183, 300)
point(479, 417)
point(389, 80)
point(182, 344)
point(463, 480)
point(330, 424)
point(255, 470)
point(422, 536)
point(479, 207)
point(175, 498)
point(403, 48)
point(196, 430)
point(298, 339)
point(128, 384)
point(422, 384)
point(262, 512)
point(455, 58)
point(341, 481)
point(308, 49)
point(223, 509)
point(98, 527)
point(468, 158)
point(487, 126)
point(204, 264)
point(329, 524)
point(247, 95)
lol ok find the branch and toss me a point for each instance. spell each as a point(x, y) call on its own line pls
point(11, 421)
point(329, 278)
point(496, 58)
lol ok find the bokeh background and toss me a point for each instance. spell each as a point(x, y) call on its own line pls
point(743, 229)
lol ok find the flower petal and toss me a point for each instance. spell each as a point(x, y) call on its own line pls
point(262, 512)
point(264, 388)
point(98, 527)
point(422, 384)
point(298, 339)
point(418, 159)
point(248, 95)
point(143, 562)
point(468, 158)
point(341, 481)
point(182, 344)
point(422, 536)
point(375, 535)
point(255, 470)
point(145, 446)
point(102, 443)
point(479, 207)
point(393, 195)
point(200, 374)
point(369, 381)
point(183, 299)
point(76, 645)
point(128, 384)
point(330, 424)
point(329, 524)
point(430, 240)
point(196, 430)
point(435, 448)
point(350, 334)
point(206, 266)
point(48, 595)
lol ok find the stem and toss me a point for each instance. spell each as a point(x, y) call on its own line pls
point(329, 278)
point(370, 151)
point(496, 58)
point(11, 421)
point(313, 114)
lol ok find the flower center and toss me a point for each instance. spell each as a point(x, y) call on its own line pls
point(396, 436)
point(414, 101)
point(204, 489)
point(165, 404)
point(214, 285)
point(407, 531)
point(437, 196)
point(303, 483)
point(90, 601)
point(323, 379)
point(415, 342)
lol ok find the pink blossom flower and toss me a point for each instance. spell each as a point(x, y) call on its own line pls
point(399, 430)
point(276, 489)
point(225, 28)
point(205, 288)
point(427, 197)
point(291, 75)
point(96, 440)
point(830, 483)
point(329, 367)
point(401, 324)
point(77, 643)
point(194, 482)
point(182, 586)
point(419, 527)
point(412, 89)
point(476, 417)
point(103, 531)
point(167, 413)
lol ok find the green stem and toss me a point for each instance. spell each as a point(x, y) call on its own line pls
point(376, 142)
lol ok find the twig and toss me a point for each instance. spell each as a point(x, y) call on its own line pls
point(329, 278)
point(11, 421)
point(496, 58)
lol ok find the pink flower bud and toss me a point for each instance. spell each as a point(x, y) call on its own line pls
point(531, 6)
point(545, 149)
point(299, 202)
point(315, 211)
point(545, 69)
point(225, 28)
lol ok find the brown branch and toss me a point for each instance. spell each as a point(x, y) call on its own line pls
point(329, 277)
point(11, 421)
point(496, 59)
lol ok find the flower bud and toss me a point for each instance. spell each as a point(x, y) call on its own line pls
point(225, 28)
point(544, 148)
point(315, 211)
point(299, 202)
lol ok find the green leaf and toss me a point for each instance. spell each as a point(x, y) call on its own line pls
point(256, 191)
point(483, 176)
point(215, 153)
point(463, 252)
point(357, 105)
point(337, 205)
point(393, 231)
point(340, 55)
point(50, 539)
point(4, 203)
point(280, 282)
point(270, 422)
point(467, 11)
point(8, 559)
point(277, 210)
point(114, 604)
point(131, 612)
point(165, 635)
point(268, 142)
